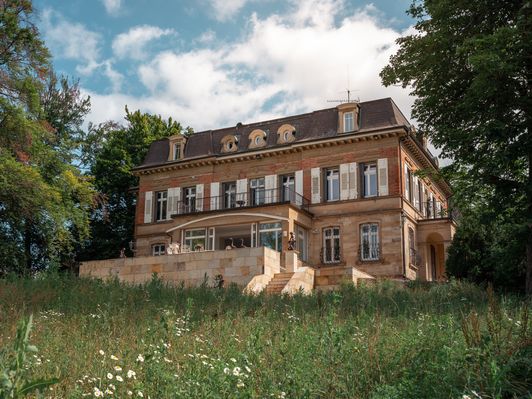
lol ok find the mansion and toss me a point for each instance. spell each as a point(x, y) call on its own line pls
point(301, 202)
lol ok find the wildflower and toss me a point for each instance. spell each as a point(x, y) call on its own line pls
point(118, 368)
point(110, 376)
point(226, 370)
point(131, 374)
point(240, 384)
point(101, 352)
point(119, 378)
point(140, 394)
point(97, 392)
point(108, 391)
point(236, 371)
point(247, 369)
point(140, 358)
point(114, 357)
point(233, 360)
point(167, 360)
point(112, 387)
point(129, 393)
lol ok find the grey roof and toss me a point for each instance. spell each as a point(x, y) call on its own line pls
point(382, 113)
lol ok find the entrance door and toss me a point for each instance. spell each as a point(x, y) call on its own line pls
point(433, 262)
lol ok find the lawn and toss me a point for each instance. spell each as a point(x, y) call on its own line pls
point(99, 339)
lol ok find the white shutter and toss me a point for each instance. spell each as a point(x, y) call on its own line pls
point(344, 181)
point(199, 197)
point(407, 187)
point(270, 185)
point(299, 186)
point(382, 170)
point(215, 196)
point(438, 209)
point(241, 190)
point(431, 205)
point(148, 207)
point(353, 180)
point(172, 202)
point(178, 207)
point(315, 185)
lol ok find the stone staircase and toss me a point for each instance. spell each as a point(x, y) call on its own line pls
point(278, 282)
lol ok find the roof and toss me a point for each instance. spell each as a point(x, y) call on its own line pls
point(382, 113)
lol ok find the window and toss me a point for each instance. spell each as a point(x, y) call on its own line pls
point(257, 189)
point(331, 245)
point(370, 179)
point(286, 134)
point(229, 143)
point(162, 203)
point(189, 201)
point(158, 249)
point(195, 240)
point(229, 190)
point(302, 243)
point(369, 241)
point(270, 235)
point(287, 184)
point(349, 124)
point(420, 196)
point(408, 182)
point(177, 151)
point(332, 184)
point(412, 246)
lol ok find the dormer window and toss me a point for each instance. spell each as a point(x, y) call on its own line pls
point(348, 117)
point(257, 138)
point(177, 151)
point(177, 147)
point(286, 134)
point(349, 120)
point(229, 143)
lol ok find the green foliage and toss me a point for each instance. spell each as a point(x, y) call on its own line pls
point(121, 149)
point(14, 378)
point(384, 341)
point(468, 65)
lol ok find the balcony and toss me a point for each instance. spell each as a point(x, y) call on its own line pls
point(430, 211)
point(252, 199)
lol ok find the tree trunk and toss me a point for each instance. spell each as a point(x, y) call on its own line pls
point(529, 227)
point(27, 246)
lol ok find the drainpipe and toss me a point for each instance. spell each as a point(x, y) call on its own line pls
point(403, 216)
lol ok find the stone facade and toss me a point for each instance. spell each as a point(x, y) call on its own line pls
point(345, 181)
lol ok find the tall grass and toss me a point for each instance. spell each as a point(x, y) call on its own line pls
point(441, 341)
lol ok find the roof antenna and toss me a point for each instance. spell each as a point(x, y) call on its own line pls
point(348, 91)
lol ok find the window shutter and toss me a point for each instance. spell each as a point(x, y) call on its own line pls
point(215, 196)
point(353, 180)
point(172, 202)
point(270, 185)
point(148, 199)
point(407, 188)
point(382, 170)
point(438, 209)
point(199, 197)
point(415, 194)
point(344, 181)
point(242, 190)
point(299, 186)
point(315, 183)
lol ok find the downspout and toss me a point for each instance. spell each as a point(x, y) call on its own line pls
point(402, 216)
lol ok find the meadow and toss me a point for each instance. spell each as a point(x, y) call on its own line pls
point(106, 339)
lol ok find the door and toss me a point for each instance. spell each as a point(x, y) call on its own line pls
point(433, 262)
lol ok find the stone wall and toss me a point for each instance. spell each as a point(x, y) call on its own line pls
point(330, 278)
point(236, 266)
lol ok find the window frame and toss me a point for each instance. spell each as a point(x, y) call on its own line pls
point(160, 251)
point(287, 185)
point(161, 203)
point(260, 189)
point(229, 198)
point(368, 176)
point(189, 200)
point(408, 184)
point(351, 114)
point(329, 189)
point(176, 151)
point(336, 251)
point(374, 255)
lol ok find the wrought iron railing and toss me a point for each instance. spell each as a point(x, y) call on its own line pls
point(414, 257)
point(329, 257)
point(252, 198)
point(430, 210)
point(369, 252)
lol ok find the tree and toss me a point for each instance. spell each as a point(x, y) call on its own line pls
point(469, 67)
point(121, 149)
point(44, 199)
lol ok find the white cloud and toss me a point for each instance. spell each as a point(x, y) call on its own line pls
point(71, 41)
point(284, 64)
point(226, 9)
point(132, 43)
point(112, 6)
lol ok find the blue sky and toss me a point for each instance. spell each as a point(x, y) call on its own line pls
point(213, 63)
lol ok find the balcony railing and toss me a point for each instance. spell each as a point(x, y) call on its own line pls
point(232, 200)
point(429, 211)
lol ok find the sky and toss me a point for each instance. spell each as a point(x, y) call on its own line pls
point(213, 63)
